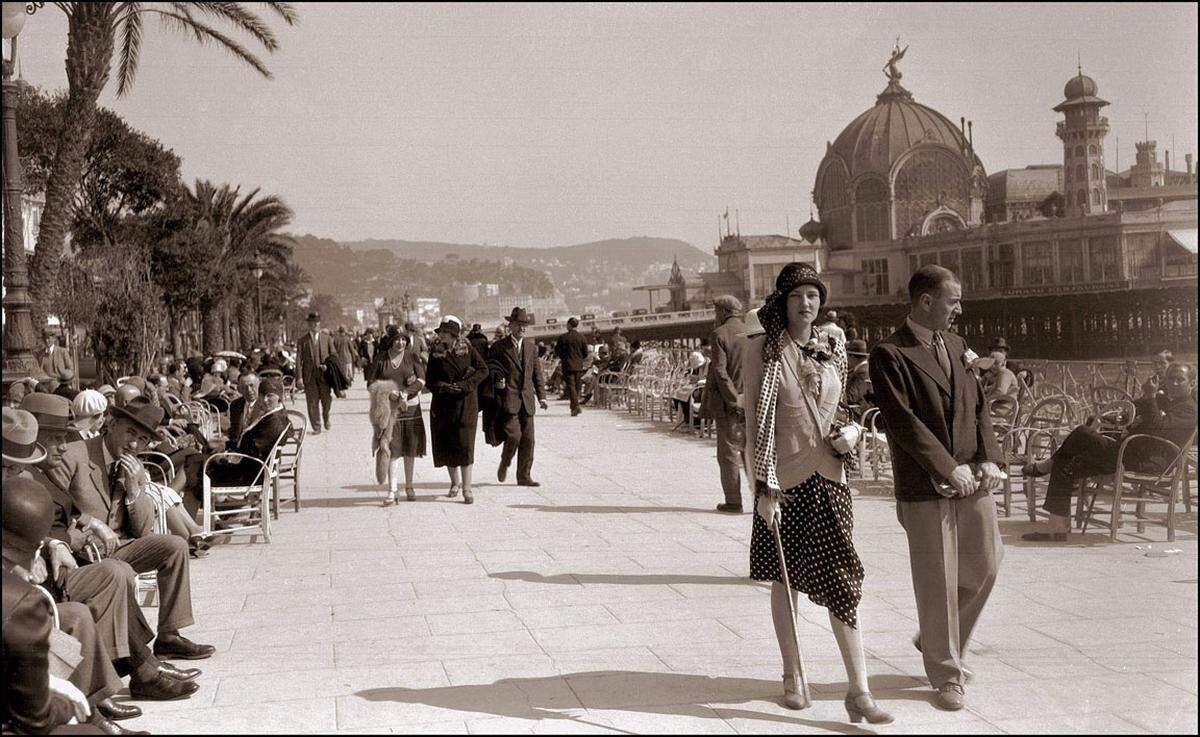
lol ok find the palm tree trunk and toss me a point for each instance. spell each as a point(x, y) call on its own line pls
point(214, 338)
point(89, 56)
point(246, 323)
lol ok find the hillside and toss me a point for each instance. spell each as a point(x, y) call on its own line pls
point(599, 273)
point(357, 277)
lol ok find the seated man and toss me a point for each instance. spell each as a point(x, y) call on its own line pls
point(245, 409)
point(35, 700)
point(257, 440)
point(1169, 414)
point(998, 380)
point(106, 483)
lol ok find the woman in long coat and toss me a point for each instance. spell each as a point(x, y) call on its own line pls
point(400, 365)
point(794, 377)
point(455, 371)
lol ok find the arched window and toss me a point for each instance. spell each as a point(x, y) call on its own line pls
point(1095, 172)
point(1079, 172)
point(927, 179)
point(871, 211)
point(1081, 198)
point(834, 203)
point(1079, 150)
point(1091, 149)
point(1096, 197)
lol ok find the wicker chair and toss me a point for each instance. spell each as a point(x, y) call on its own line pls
point(253, 499)
point(290, 453)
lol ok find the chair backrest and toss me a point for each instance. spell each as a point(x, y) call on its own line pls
point(1105, 393)
point(1051, 412)
point(1116, 414)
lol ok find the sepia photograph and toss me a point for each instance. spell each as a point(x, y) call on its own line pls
point(808, 368)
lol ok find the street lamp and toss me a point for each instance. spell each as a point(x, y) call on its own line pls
point(19, 361)
point(258, 274)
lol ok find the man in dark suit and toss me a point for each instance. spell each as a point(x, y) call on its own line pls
point(313, 348)
point(517, 380)
point(343, 349)
point(572, 350)
point(722, 397)
point(245, 409)
point(937, 429)
point(478, 340)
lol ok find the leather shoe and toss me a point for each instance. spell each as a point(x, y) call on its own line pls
point(179, 674)
point(528, 482)
point(731, 508)
point(107, 726)
point(502, 472)
point(178, 647)
point(110, 709)
point(162, 688)
point(950, 697)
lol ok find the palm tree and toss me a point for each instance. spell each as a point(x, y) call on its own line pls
point(236, 230)
point(92, 32)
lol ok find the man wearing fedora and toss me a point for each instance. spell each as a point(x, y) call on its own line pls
point(107, 587)
point(56, 361)
point(105, 480)
point(721, 400)
point(517, 380)
point(858, 378)
point(312, 350)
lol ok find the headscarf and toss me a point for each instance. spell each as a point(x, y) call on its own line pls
point(773, 316)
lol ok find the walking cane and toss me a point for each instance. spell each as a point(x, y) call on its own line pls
point(787, 585)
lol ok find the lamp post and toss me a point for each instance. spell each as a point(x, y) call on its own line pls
point(19, 361)
point(258, 274)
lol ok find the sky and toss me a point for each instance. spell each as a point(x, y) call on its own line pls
point(544, 125)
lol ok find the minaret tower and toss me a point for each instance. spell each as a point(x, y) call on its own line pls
point(1082, 134)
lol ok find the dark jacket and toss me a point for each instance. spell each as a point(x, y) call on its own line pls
point(343, 348)
point(1162, 418)
point(237, 414)
point(454, 409)
point(723, 385)
point(257, 441)
point(572, 349)
point(933, 425)
point(522, 374)
point(27, 621)
point(310, 358)
point(479, 342)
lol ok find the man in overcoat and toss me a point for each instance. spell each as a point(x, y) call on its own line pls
point(312, 350)
point(572, 350)
point(517, 381)
point(939, 433)
point(722, 397)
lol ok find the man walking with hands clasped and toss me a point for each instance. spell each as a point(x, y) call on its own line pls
point(938, 429)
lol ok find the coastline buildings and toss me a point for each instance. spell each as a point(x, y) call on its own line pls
point(1066, 261)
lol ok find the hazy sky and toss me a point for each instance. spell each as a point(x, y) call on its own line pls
point(548, 125)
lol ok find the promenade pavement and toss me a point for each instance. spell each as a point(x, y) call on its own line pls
point(613, 599)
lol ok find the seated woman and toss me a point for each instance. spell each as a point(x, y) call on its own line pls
point(1169, 413)
point(998, 380)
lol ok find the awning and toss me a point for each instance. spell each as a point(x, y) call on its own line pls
point(1185, 238)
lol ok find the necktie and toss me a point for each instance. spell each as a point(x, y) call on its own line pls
point(943, 356)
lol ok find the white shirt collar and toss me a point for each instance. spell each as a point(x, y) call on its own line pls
point(924, 334)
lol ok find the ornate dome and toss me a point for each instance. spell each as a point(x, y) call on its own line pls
point(892, 166)
point(1079, 86)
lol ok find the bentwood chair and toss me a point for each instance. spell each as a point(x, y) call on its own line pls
point(251, 501)
point(1140, 488)
point(290, 453)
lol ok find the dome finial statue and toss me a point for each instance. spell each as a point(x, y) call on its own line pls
point(889, 70)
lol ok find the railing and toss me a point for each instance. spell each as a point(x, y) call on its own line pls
point(606, 324)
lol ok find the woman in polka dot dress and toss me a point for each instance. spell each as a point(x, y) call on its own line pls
point(794, 377)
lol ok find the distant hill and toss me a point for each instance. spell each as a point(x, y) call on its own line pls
point(598, 273)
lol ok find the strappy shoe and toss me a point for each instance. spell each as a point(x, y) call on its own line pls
point(454, 488)
point(468, 496)
point(410, 493)
point(792, 697)
point(862, 706)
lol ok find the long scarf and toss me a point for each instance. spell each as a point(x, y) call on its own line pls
point(774, 321)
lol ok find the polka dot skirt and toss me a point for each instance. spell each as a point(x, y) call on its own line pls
point(817, 522)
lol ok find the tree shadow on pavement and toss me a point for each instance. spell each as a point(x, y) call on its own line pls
point(650, 579)
point(668, 694)
point(610, 510)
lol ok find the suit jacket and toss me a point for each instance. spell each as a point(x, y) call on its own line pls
point(27, 621)
point(934, 423)
point(344, 349)
point(239, 418)
point(572, 349)
point(55, 362)
point(261, 435)
point(522, 374)
point(723, 385)
point(310, 358)
point(366, 350)
point(90, 475)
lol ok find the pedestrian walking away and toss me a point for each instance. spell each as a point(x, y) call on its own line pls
point(722, 401)
point(572, 351)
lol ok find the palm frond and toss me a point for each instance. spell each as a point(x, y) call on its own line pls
point(286, 11)
point(131, 50)
point(242, 19)
point(205, 33)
